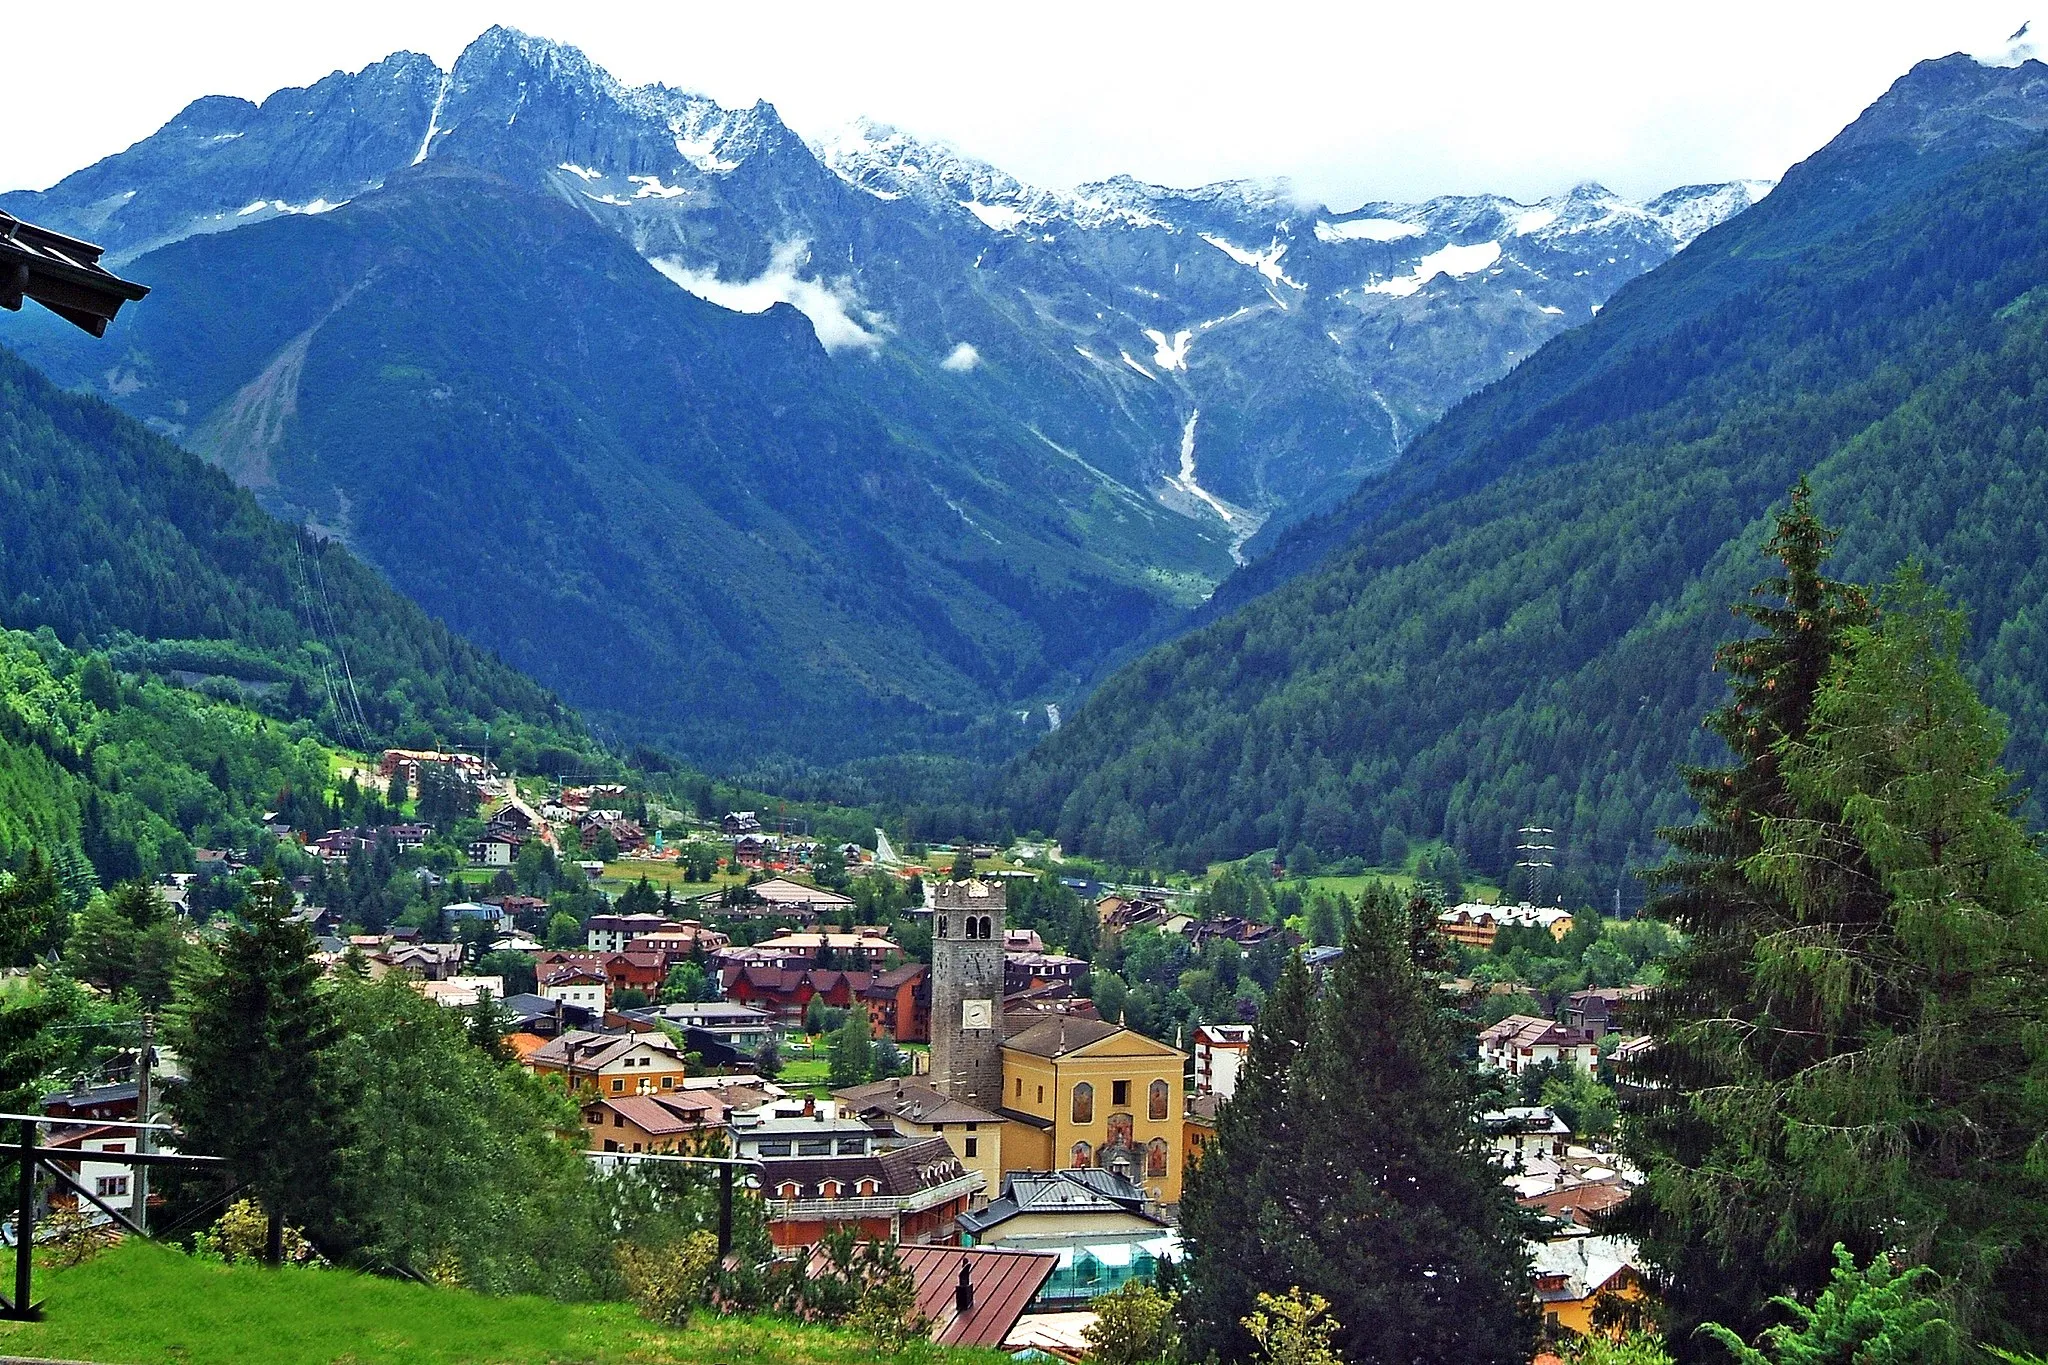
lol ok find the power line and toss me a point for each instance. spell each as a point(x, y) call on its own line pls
point(302, 598)
point(362, 719)
point(1535, 862)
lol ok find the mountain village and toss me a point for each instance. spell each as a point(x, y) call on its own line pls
point(997, 1112)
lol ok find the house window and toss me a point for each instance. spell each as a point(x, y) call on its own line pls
point(1084, 1103)
point(1156, 1110)
point(668, 1082)
point(618, 1120)
point(1080, 1157)
point(1119, 1093)
point(618, 1085)
point(1155, 1158)
point(814, 1147)
point(1041, 1094)
point(775, 1148)
point(853, 1146)
point(973, 1148)
point(111, 1187)
point(1020, 1088)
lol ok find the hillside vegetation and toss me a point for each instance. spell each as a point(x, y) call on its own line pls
point(142, 1304)
point(1516, 626)
point(112, 537)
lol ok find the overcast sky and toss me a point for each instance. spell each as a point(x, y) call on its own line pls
point(1353, 101)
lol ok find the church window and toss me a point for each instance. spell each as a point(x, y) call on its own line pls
point(1155, 1157)
point(1080, 1156)
point(1160, 1098)
point(1119, 1130)
point(1119, 1093)
point(1084, 1103)
point(945, 926)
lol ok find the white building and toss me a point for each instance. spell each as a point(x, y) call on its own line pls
point(1521, 1041)
point(462, 992)
point(1220, 1051)
point(574, 986)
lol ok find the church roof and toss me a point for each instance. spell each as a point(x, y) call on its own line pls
point(1059, 1035)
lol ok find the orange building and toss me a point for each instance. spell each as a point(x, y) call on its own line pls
point(611, 1065)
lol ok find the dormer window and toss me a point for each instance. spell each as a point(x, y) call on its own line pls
point(788, 1189)
point(830, 1189)
point(869, 1187)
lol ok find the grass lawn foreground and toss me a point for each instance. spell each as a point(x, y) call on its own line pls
point(141, 1304)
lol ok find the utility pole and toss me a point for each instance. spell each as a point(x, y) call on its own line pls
point(143, 1136)
point(1535, 862)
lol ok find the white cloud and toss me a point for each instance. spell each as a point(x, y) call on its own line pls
point(961, 359)
point(826, 305)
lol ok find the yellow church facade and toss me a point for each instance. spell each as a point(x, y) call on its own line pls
point(1081, 1092)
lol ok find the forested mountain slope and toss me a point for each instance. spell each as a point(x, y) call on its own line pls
point(112, 537)
point(1515, 625)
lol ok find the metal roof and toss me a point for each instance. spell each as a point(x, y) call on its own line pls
point(61, 273)
point(1002, 1284)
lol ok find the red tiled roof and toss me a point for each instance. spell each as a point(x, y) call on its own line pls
point(660, 1116)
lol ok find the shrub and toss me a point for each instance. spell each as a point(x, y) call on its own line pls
point(1293, 1329)
point(1133, 1326)
point(666, 1282)
point(242, 1233)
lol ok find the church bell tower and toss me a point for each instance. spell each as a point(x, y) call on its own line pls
point(967, 991)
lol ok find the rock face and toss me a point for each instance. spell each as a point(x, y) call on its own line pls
point(1064, 413)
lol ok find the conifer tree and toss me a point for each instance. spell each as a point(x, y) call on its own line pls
point(1406, 1227)
point(1235, 1219)
point(1800, 619)
point(257, 1035)
point(1849, 1048)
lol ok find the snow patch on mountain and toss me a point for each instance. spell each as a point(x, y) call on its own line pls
point(996, 217)
point(1688, 211)
point(582, 172)
point(280, 206)
point(1170, 353)
point(1454, 261)
point(1266, 262)
point(961, 358)
point(652, 188)
point(829, 306)
point(434, 118)
point(1367, 230)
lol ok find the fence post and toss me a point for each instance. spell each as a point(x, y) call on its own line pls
point(724, 1210)
point(25, 1219)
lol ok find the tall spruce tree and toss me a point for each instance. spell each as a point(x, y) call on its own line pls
point(1406, 1227)
point(1863, 1064)
point(1799, 620)
point(257, 1034)
point(1236, 1219)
